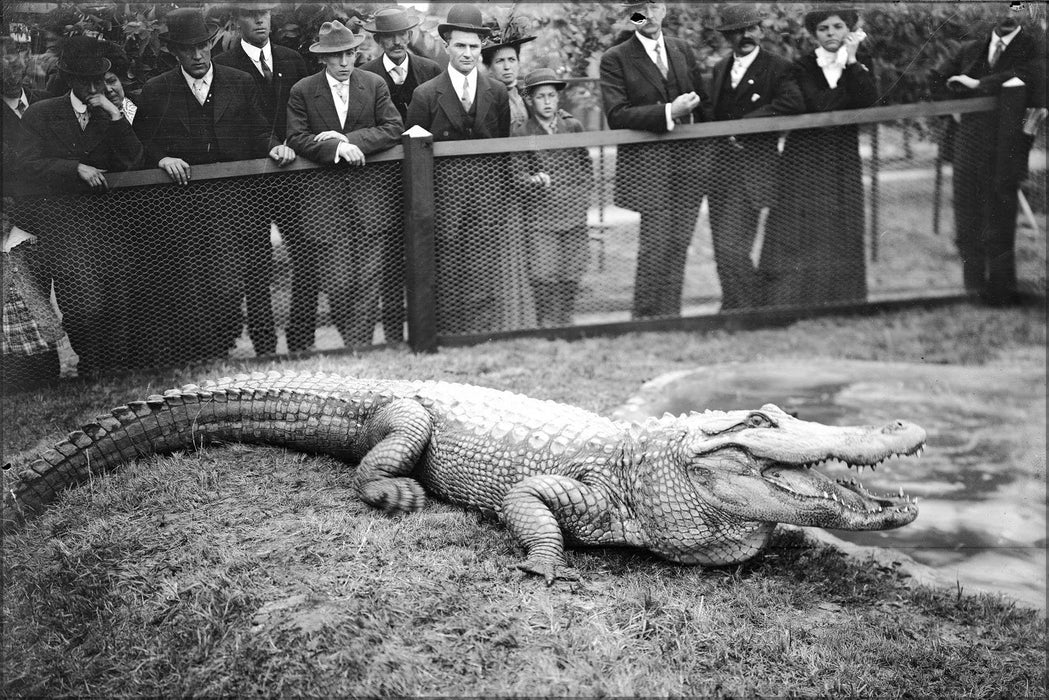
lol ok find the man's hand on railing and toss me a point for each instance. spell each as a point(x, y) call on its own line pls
point(542, 179)
point(92, 176)
point(282, 155)
point(176, 168)
point(683, 105)
point(962, 80)
point(349, 153)
point(325, 135)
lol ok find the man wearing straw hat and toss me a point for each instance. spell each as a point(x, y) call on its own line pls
point(340, 116)
point(651, 82)
point(392, 28)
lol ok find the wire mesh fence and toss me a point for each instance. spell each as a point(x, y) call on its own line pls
point(529, 234)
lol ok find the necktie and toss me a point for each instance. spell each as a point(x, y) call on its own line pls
point(398, 73)
point(200, 91)
point(998, 49)
point(467, 102)
point(21, 108)
point(340, 88)
point(266, 72)
point(83, 118)
point(660, 63)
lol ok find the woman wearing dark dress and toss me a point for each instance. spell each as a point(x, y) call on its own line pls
point(814, 249)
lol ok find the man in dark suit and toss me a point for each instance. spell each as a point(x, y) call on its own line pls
point(651, 82)
point(987, 172)
point(340, 116)
point(403, 71)
point(275, 70)
point(199, 113)
point(18, 95)
point(393, 29)
point(72, 141)
point(750, 82)
point(463, 103)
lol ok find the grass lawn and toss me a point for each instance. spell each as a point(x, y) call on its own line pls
point(248, 571)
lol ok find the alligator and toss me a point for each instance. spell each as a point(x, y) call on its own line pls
point(699, 488)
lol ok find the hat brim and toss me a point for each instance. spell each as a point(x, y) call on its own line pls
point(492, 48)
point(371, 28)
point(357, 40)
point(93, 67)
point(192, 41)
point(445, 27)
point(559, 84)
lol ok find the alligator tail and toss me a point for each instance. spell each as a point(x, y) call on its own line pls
point(181, 420)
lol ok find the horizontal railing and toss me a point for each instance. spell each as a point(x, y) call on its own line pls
point(614, 137)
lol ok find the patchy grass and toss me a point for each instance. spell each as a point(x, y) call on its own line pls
point(242, 571)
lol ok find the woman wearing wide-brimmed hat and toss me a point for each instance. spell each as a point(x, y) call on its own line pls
point(501, 55)
point(814, 249)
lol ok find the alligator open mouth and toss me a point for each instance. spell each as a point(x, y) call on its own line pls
point(807, 484)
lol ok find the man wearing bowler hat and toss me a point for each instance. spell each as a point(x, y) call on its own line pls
point(463, 103)
point(651, 82)
point(199, 113)
point(338, 117)
point(392, 28)
point(750, 82)
point(73, 141)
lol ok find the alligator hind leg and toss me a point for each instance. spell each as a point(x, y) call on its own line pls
point(396, 436)
point(540, 509)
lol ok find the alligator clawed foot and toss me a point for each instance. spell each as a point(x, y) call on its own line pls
point(394, 495)
point(549, 570)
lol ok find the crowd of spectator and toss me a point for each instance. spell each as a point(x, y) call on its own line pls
point(510, 246)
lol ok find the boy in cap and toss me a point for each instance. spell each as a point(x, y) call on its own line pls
point(559, 183)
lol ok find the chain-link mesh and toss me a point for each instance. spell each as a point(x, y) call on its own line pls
point(165, 275)
point(542, 237)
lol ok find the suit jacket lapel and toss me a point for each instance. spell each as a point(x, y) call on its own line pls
point(66, 126)
point(678, 64)
point(356, 100)
point(647, 67)
point(485, 98)
point(747, 83)
point(324, 102)
point(721, 71)
point(448, 100)
point(220, 96)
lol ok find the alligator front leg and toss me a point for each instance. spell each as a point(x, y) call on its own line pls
point(397, 435)
point(540, 509)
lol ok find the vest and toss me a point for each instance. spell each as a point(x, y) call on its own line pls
point(728, 106)
point(202, 146)
point(401, 94)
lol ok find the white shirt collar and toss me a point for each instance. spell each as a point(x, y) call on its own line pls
point(78, 106)
point(651, 44)
point(332, 82)
point(254, 52)
point(206, 79)
point(390, 65)
point(458, 79)
point(745, 61)
point(12, 102)
point(1007, 38)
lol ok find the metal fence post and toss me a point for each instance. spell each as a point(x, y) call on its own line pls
point(420, 260)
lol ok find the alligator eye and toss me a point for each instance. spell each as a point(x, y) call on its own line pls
point(758, 420)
